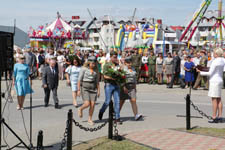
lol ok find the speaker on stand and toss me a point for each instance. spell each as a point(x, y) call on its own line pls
point(6, 66)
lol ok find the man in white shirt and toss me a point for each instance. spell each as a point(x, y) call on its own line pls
point(196, 60)
point(49, 55)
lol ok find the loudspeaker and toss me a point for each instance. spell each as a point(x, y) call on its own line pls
point(6, 51)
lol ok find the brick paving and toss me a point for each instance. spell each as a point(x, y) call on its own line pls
point(165, 139)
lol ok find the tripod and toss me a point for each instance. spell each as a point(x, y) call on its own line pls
point(2, 122)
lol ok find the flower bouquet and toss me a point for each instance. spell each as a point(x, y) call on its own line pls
point(116, 73)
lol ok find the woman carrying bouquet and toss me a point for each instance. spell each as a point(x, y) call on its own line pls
point(112, 87)
point(129, 91)
point(88, 84)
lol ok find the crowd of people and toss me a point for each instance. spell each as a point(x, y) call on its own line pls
point(83, 70)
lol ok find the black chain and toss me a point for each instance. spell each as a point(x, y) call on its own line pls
point(200, 112)
point(63, 143)
point(115, 129)
point(89, 129)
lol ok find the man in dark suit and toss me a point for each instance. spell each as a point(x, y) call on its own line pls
point(175, 70)
point(50, 80)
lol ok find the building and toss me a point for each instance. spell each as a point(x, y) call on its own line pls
point(103, 33)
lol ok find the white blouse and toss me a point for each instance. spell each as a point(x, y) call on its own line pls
point(216, 70)
point(144, 59)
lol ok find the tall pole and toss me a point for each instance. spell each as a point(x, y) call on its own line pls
point(0, 109)
point(220, 19)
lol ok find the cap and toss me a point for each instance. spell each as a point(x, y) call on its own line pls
point(128, 59)
point(113, 53)
point(92, 59)
point(189, 56)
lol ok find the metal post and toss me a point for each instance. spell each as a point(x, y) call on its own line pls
point(0, 109)
point(110, 129)
point(70, 130)
point(188, 112)
point(40, 140)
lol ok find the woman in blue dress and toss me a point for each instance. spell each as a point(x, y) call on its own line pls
point(21, 81)
point(72, 74)
point(189, 74)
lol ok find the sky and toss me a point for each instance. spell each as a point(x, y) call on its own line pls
point(39, 12)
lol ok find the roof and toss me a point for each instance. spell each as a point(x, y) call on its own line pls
point(21, 38)
point(175, 28)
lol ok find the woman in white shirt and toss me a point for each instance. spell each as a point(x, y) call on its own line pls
point(215, 84)
point(144, 66)
point(159, 68)
point(61, 60)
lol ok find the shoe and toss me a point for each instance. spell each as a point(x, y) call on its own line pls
point(214, 121)
point(194, 88)
point(75, 105)
point(18, 108)
point(100, 115)
point(46, 105)
point(57, 106)
point(91, 123)
point(21, 108)
point(138, 117)
point(220, 120)
point(119, 121)
point(80, 113)
point(169, 87)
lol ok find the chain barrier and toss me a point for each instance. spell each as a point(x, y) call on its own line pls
point(63, 143)
point(89, 129)
point(200, 112)
point(115, 129)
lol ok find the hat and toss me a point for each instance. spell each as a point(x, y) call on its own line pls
point(189, 56)
point(128, 59)
point(92, 59)
point(113, 53)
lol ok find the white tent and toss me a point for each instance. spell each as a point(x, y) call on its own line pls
point(59, 23)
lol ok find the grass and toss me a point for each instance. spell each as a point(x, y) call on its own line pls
point(215, 132)
point(106, 144)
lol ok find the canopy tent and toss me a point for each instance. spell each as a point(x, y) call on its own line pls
point(59, 23)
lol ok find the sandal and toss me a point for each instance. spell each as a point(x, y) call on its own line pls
point(91, 123)
point(18, 108)
point(80, 114)
point(75, 105)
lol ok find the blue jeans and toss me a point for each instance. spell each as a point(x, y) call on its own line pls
point(110, 90)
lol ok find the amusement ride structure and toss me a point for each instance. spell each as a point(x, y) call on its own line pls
point(198, 18)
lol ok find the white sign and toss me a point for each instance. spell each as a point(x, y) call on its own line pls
point(173, 35)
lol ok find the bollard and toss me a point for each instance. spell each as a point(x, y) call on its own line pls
point(40, 140)
point(188, 112)
point(110, 120)
point(70, 130)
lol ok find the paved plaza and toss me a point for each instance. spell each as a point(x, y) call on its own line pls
point(158, 105)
